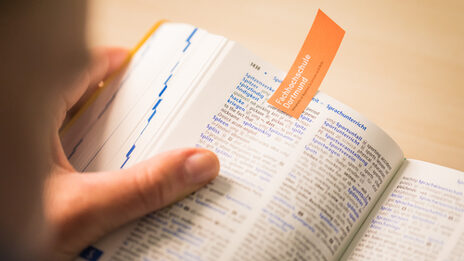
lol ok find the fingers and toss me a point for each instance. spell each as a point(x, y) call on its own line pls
point(155, 183)
point(104, 61)
point(167, 177)
point(95, 204)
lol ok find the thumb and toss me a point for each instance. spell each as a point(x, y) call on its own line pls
point(152, 184)
point(167, 177)
point(115, 198)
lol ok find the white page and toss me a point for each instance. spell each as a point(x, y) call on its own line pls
point(420, 217)
point(263, 153)
point(258, 147)
point(137, 103)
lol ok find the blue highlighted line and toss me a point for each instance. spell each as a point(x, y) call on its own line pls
point(159, 100)
point(151, 116)
point(130, 151)
point(165, 85)
point(189, 38)
point(167, 80)
point(148, 121)
point(124, 163)
point(162, 91)
point(128, 156)
point(156, 105)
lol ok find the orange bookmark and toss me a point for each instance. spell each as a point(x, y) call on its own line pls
point(310, 66)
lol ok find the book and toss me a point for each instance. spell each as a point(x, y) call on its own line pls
point(327, 185)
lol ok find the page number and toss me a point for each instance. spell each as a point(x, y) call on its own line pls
point(254, 65)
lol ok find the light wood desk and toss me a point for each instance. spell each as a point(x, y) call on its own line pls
point(401, 63)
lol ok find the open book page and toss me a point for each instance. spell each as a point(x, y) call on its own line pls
point(420, 217)
point(137, 102)
point(288, 188)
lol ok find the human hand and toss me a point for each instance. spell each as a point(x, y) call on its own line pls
point(82, 207)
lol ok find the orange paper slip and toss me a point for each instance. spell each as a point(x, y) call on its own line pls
point(310, 66)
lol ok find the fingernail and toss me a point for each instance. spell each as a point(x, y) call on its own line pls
point(202, 167)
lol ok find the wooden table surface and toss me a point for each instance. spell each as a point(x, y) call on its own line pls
point(401, 63)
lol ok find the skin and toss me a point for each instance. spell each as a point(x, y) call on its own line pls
point(51, 211)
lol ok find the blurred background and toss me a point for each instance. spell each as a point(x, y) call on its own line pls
point(401, 63)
